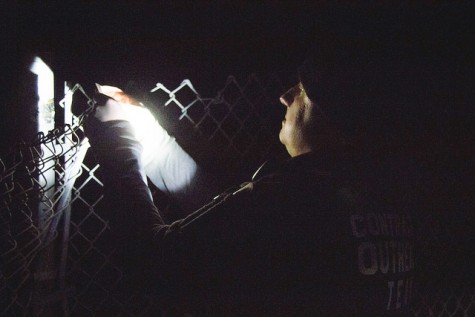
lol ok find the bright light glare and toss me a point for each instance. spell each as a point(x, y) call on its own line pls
point(45, 91)
point(166, 164)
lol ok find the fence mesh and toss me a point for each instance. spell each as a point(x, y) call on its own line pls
point(57, 254)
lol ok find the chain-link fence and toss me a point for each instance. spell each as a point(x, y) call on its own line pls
point(57, 254)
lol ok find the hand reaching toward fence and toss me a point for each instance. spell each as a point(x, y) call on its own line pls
point(114, 104)
point(164, 161)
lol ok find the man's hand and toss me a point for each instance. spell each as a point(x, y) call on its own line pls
point(114, 104)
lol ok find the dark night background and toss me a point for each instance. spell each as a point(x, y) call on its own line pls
point(117, 41)
point(113, 42)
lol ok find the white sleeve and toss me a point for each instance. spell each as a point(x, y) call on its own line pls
point(167, 165)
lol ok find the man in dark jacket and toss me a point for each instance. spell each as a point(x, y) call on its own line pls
point(327, 233)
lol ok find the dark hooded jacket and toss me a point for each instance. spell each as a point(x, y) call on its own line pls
point(322, 234)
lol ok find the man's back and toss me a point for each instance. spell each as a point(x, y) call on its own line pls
point(312, 238)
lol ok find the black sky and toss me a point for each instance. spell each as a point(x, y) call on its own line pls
point(148, 41)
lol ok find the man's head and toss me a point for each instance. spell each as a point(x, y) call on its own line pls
point(305, 128)
point(299, 120)
point(347, 94)
point(374, 85)
point(336, 98)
